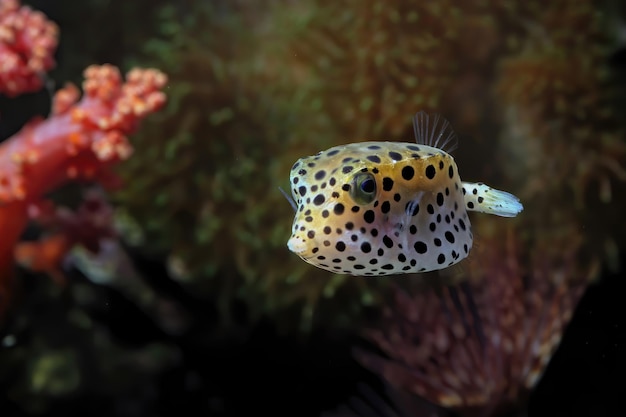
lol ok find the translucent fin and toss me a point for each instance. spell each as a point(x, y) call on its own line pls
point(434, 130)
point(290, 199)
point(484, 199)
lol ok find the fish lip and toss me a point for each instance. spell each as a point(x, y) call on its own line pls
point(297, 246)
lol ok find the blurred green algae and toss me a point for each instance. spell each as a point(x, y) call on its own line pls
point(527, 92)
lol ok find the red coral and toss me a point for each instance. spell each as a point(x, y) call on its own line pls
point(27, 44)
point(81, 140)
point(91, 222)
point(482, 346)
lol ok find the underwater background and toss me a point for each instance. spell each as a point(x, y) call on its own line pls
point(147, 274)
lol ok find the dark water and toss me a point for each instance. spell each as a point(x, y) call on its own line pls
point(226, 341)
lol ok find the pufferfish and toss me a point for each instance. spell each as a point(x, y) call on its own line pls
point(383, 208)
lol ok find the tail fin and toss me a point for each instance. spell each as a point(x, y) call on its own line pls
point(484, 199)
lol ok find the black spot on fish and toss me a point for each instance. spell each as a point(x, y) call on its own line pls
point(395, 156)
point(420, 247)
point(369, 216)
point(387, 184)
point(318, 200)
point(373, 158)
point(430, 172)
point(338, 209)
point(408, 172)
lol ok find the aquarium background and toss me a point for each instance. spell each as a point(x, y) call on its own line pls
point(190, 302)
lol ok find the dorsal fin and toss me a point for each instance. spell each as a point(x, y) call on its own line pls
point(434, 130)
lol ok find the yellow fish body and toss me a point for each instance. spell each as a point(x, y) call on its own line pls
point(382, 208)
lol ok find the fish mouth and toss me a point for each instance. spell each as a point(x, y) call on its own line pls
point(299, 247)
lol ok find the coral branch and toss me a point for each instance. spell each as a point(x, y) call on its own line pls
point(82, 139)
point(27, 44)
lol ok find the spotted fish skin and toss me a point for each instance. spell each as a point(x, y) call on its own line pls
point(382, 208)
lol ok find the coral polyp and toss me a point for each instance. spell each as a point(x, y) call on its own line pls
point(483, 345)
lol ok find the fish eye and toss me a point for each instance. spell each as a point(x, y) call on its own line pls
point(363, 190)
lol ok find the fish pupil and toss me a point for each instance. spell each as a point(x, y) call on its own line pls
point(368, 186)
point(363, 190)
